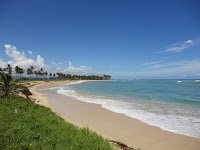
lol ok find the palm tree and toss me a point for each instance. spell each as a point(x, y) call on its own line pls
point(17, 70)
point(6, 83)
point(21, 71)
point(36, 74)
point(29, 72)
point(41, 72)
point(45, 73)
point(32, 70)
point(9, 69)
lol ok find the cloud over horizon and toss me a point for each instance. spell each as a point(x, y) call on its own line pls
point(185, 68)
point(81, 69)
point(20, 59)
point(179, 69)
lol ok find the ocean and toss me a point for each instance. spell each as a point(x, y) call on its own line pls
point(172, 105)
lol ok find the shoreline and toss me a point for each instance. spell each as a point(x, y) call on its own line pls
point(114, 125)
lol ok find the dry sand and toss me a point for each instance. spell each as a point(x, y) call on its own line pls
point(112, 125)
point(39, 97)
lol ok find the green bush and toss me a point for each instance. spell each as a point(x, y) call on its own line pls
point(23, 89)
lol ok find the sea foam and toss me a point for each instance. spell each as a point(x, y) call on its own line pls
point(175, 118)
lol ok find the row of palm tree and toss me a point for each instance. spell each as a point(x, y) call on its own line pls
point(20, 71)
point(82, 77)
point(44, 74)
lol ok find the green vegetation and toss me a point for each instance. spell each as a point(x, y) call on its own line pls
point(8, 85)
point(23, 89)
point(25, 125)
point(5, 83)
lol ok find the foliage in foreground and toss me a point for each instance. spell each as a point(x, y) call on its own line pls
point(6, 82)
point(25, 125)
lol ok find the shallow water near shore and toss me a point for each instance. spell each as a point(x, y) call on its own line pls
point(172, 105)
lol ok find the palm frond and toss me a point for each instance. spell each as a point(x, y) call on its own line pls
point(3, 78)
point(1, 82)
point(6, 81)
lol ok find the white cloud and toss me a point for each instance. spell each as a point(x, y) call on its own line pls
point(53, 63)
point(71, 69)
point(40, 61)
point(115, 66)
point(189, 42)
point(56, 64)
point(150, 63)
point(77, 70)
point(18, 58)
point(2, 63)
point(197, 75)
point(170, 65)
point(170, 70)
point(155, 66)
point(30, 52)
point(176, 49)
point(179, 47)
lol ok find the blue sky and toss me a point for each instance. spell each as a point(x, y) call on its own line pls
point(123, 38)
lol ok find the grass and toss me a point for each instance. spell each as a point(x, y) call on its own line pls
point(25, 125)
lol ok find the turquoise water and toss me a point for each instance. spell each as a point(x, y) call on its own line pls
point(186, 92)
point(172, 105)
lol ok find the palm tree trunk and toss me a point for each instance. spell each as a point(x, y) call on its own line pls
point(6, 93)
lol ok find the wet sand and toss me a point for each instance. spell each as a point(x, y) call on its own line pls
point(115, 126)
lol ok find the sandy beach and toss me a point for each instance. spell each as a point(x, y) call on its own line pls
point(38, 97)
point(111, 125)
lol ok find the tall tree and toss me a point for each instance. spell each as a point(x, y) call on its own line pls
point(41, 72)
point(17, 70)
point(45, 73)
point(32, 70)
point(8, 69)
point(21, 71)
point(29, 72)
point(36, 74)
